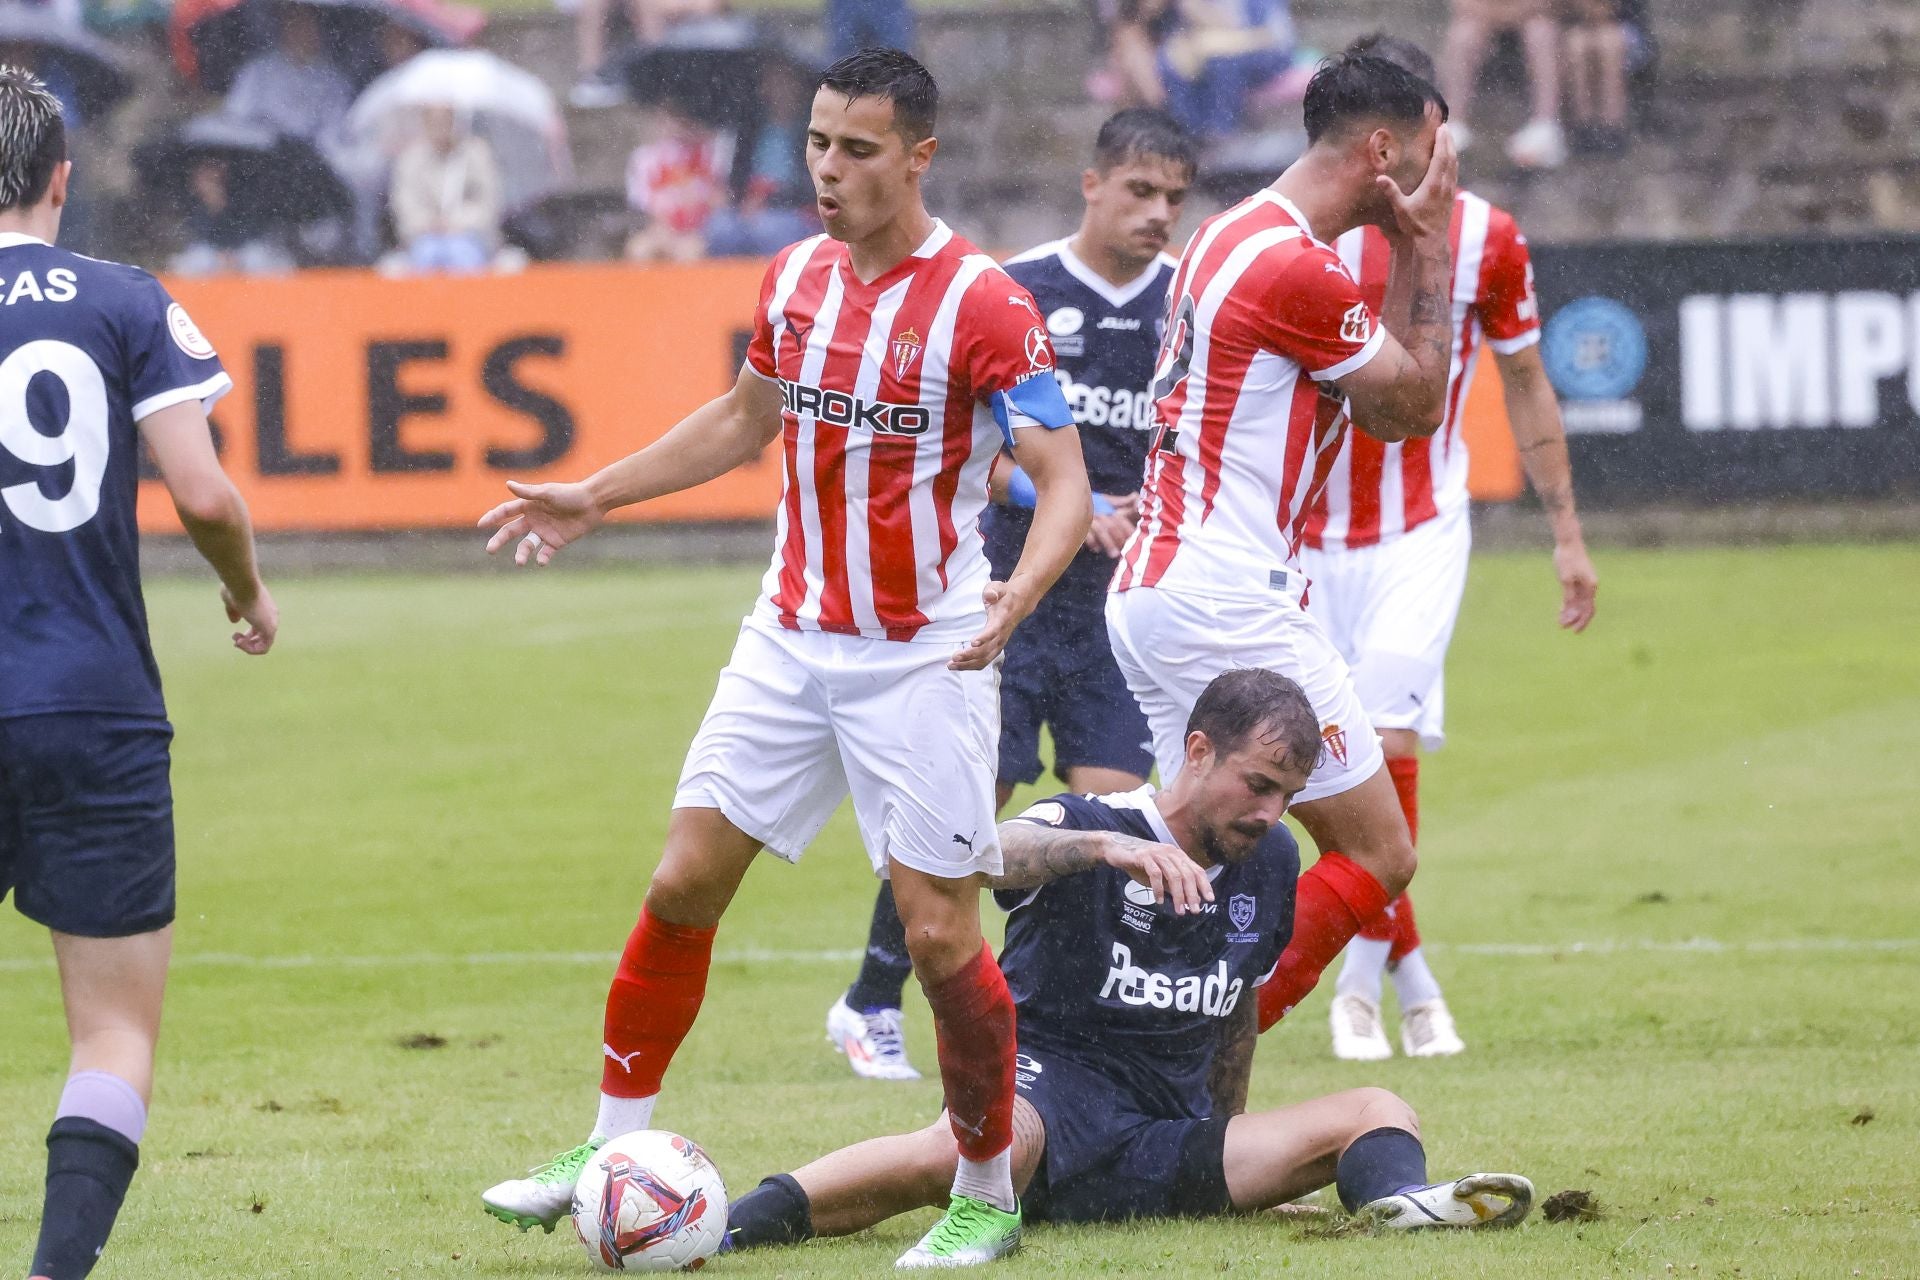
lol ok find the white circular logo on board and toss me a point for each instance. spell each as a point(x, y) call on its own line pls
point(186, 334)
point(1065, 321)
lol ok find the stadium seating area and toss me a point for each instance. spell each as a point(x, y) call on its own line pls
point(1766, 117)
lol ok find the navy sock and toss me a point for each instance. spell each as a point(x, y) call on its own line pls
point(775, 1212)
point(884, 969)
point(1378, 1163)
point(88, 1169)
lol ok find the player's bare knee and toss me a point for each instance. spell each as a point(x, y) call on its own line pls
point(1376, 1108)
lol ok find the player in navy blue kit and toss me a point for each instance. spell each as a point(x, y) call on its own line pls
point(94, 357)
point(1138, 927)
point(1103, 292)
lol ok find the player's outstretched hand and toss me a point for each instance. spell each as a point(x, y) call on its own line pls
point(545, 517)
point(260, 613)
point(1579, 586)
point(1109, 533)
point(1005, 608)
point(1165, 869)
point(1425, 216)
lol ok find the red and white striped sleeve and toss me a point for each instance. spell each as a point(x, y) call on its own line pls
point(1312, 312)
point(760, 354)
point(1509, 311)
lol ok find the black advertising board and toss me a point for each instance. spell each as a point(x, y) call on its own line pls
point(1736, 371)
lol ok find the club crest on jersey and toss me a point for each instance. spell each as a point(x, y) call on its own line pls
point(906, 349)
point(1335, 740)
point(1355, 327)
point(1240, 910)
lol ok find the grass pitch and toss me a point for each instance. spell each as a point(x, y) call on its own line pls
point(1669, 880)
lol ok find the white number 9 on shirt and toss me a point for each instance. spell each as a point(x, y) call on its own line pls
point(81, 440)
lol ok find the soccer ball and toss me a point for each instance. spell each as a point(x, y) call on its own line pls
point(649, 1201)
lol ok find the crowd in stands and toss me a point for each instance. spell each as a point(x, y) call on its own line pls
point(416, 166)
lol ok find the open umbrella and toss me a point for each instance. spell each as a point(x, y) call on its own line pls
point(512, 109)
point(212, 38)
point(709, 68)
point(99, 77)
point(273, 181)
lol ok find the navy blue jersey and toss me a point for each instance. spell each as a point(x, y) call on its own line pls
point(87, 349)
point(1105, 339)
point(1103, 974)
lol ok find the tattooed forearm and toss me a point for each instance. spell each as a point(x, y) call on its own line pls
point(1233, 1057)
point(1033, 855)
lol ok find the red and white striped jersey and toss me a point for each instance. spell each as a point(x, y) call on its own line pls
point(1262, 316)
point(1378, 491)
point(897, 396)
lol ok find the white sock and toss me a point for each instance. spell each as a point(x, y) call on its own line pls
point(621, 1116)
point(1413, 981)
point(989, 1180)
point(1360, 975)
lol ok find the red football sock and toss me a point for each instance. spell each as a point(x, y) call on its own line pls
point(1383, 927)
point(973, 1026)
point(1334, 898)
point(651, 1006)
point(1406, 935)
point(1405, 772)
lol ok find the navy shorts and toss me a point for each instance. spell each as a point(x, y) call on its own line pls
point(1107, 1158)
point(1059, 671)
point(86, 822)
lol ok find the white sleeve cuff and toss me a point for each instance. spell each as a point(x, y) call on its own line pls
point(764, 377)
point(1357, 359)
point(208, 393)
point(1509, 346)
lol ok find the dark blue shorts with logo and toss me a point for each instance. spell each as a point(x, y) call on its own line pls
point(1060, 672)
point(1108, 1158)
point(86, 822)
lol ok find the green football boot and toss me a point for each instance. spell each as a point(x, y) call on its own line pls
point(973, 1232)
point(545, 1195)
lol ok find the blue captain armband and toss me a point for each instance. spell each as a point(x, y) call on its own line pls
point(1034, 401)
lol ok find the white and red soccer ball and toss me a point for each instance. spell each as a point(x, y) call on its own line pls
point(650, 1201)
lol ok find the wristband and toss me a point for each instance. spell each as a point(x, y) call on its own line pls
point(1020, 490)
point(1101, 507)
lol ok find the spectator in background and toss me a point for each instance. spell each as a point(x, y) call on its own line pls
point(446, 198)
point(677, 182)
point(1540, 144)
point(220, 238)
point(775, 204)
point(599, 73)
point(1213, 56)
point(294, 88)
point(1606, 41)
point(853, 25)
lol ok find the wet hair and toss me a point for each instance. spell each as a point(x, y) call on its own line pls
point(1142, 133)
point(1351, 87)
point(895, 77)
point(1402, 53)
point(33, 138)
point(1250, 701)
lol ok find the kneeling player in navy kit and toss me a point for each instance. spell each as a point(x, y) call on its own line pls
point(1138, 926)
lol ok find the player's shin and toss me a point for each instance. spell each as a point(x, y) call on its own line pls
point(92, 1152)
point(1377, 1164)
point(974, 1024)
point(1335, 897)
point(651, 1005)
point(774, 1213)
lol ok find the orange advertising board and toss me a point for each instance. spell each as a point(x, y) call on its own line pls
point(367, 403)
point(362, 402)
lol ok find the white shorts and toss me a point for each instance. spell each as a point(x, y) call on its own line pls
point(802, 719)
point(1171, 645)
point(1390, 610)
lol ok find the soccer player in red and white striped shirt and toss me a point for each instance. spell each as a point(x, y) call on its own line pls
point(1269, 345)
point(892, 361)
point(1386, 550)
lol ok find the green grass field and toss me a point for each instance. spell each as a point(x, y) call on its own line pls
point(1669, 877)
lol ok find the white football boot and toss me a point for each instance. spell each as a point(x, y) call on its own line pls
point(545, 1195)
point(1426, 1030)
point(1477, 1200)
point(1357, 1033)
point(872, 1042)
